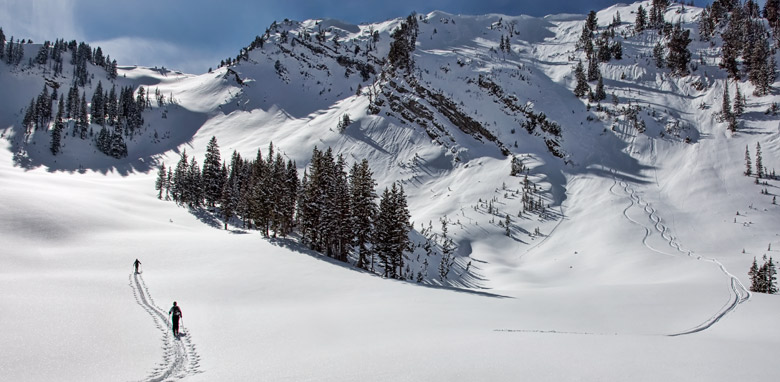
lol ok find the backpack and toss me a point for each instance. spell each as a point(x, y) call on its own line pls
point(176, 311)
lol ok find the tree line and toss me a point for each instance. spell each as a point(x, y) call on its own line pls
point(763, 279)
point(332, 207)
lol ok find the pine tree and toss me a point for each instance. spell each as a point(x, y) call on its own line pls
point(82, 122)
point(364, 209)
point(754, 277)
point(212, 173)
point(726, 113)
point(748, 163)
point(586, 41)
point(679, 56)
point(56, 133)
point(447, 258)
point(391, 238)
point(29, 117)
point(641, 20)
point(179, 183)
point(98, 108)
point(771, 277)
point(159, 184)
point(617, 50)
point(759, 161)
point(592, 22)
point(594, 73)
point(658, 55)
point(9, 55)
point(772, 12)
point(582, 88)
point(732, 46)
point(2, 43)
point(657, 10)
point(739, 106)
point(228, 201)
point(194, 190)
point(600, 94)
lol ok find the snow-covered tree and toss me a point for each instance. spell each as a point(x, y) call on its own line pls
point(679, 56)
point(159, 184)
point(212, 173)
point(582, 88)
point(759, 161)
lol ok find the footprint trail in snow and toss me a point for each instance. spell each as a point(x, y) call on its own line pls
point(179, 356)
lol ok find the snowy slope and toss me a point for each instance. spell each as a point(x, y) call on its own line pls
point(640, 241)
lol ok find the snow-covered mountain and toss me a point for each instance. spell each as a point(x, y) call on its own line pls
point(630, 219)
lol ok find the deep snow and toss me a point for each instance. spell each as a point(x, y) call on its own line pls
point(642, 241)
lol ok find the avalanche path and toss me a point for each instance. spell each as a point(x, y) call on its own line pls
point(179, 356)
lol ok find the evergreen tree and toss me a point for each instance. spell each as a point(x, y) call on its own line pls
point(82, 122)
point(594, 73)
point(657, 10)
point(194, 191)
point(771, 12)
point(72, 105)
point(658, 54)
point(29, 117)
point(759, 161)
point(180, 178)
point(617, 50)
point(641, 20)
point(726, 113)
point(679, 56)
point(771, 277)
point(228, 200)
point(159, 184)
point(599, 94)
point(582, 88)
point(212, 173)
point(392, 229)
point(706, 24)
point(9, 55)
point(592, 22)
point(403, 44)
point(758, 65)
point(748, 163)
point(2, 43)
point(754, 277)
point(739, 105)
point(289, 198)
point(56, 133)
point(98, 107)
point(364, 209)
point(586, 41)
point(732, 46)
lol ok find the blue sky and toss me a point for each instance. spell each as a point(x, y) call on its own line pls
point(193, 35)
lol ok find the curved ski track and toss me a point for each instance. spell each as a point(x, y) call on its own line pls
point(739, 293)
point(179, 356)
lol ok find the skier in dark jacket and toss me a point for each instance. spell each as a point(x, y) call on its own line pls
point(136, 263)
point(176, 315)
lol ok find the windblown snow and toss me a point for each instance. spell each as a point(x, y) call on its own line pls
point(636, 270)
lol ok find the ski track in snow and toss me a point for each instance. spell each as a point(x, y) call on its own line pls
point(739, 293)
point(179, 356)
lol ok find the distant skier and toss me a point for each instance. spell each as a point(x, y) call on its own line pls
point(176, 315)
point(136, 263)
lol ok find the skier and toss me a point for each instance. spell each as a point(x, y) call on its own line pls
point(176, 315)
point(136, 263)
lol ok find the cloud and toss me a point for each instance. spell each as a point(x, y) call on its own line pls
point(151, 52)
point(39, 20)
